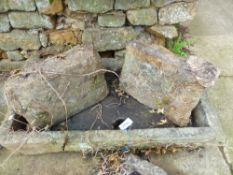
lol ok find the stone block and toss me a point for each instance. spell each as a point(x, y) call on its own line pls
point(93, 6)
point(49, 9)
point(14, 55)
point(177, 12)
point(21, 5)
point(105, 39)
point(64, 37)
point(30, 20)
point(167, 31)
point(57, 87)
point(146, 16)
point(4, 23)
point(116, 19)
point(159, 79)
point(131, 4)
point(161, 3)
point(19, 39)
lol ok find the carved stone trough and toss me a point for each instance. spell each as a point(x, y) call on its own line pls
point(204, 119)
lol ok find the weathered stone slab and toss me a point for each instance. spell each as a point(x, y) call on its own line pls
point(110, 38)
point(14, 55)
point(24, 5)
point(19, 39)
point(116, 19)
point(161, 3)
point(93, 6)
point(157, 78)
point(4, 23)
point(30, 20)
point(57, 87)
point(45, 7)
point(177, 12)
point(167, 31)
point(131, 4)
point(146, 16)
point(66, 36)
point(134, 164)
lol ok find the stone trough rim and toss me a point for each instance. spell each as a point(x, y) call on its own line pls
point(95, 140)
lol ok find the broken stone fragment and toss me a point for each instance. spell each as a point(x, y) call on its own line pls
point(4, 23)
point(51, 90)
point(116, 19)
point(105, 39)
point(161, 80)
point(93, 6)
point(167, 31)
point(177, 12)
point(134, 164)
point(131, 4)
point(20, 39)
point(146, 16)
point(64, 37)
point(30, 20)
point(45, 7)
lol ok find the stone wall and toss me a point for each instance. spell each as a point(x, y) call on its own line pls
point(37, 29)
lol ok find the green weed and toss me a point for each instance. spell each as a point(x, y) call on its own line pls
point(181, 45)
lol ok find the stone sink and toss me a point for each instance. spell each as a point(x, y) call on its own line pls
point(34, 142)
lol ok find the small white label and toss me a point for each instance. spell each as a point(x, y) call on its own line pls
point(126, 124)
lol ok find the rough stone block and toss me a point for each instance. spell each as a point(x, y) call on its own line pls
point(49, 9)
point(147, 16)
point(4, 6)
point(159, 79)
point(131, 4)
point(66, 36)
point(116, 19)
point(93, 6)
point(110, 38)
point(30, 20)
point(57, 87)
point(161, 3)
point(4, 23)
point(19, 39)
point(177, 12)
point(14, 55)
point(167, 31)
point(24, 5)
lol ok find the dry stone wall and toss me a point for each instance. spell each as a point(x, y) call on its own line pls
point(37, 29)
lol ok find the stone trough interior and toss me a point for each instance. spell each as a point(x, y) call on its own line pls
point(111, 112)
